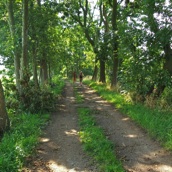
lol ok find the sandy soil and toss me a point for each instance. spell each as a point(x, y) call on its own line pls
point(61, 151)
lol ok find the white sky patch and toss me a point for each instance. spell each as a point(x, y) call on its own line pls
point(1, 61)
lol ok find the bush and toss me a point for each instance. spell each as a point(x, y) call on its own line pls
point(165, 100)
point(37, 100)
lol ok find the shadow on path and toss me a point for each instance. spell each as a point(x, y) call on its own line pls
point(137, 151)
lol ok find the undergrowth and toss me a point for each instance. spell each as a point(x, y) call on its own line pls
point(157, 122)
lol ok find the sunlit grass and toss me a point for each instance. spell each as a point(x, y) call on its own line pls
point(157, 123)
point(20, 141)
point(96, 144)
point(79, 98)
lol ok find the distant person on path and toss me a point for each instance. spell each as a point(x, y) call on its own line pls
point(74, 77)
point(81, 75)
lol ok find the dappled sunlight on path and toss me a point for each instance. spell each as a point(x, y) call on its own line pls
point(60, 149)
point(137, 151)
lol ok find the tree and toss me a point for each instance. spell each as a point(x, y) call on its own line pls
point(162, 36)
point(81, 13)
point(24, 59)
point(4, 120)
point(15, 38)
point(114, 44)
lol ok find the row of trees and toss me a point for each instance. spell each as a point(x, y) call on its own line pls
point(120, 41)
point(131, 41)
point(36, 43)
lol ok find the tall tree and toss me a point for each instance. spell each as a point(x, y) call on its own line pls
point(24, 59)
point(114, 44)
point(81, 13)
point(160, 30)
point(14, 35)
point(4, 120)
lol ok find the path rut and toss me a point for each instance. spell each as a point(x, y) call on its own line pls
point(137, 151)
point(60, 149)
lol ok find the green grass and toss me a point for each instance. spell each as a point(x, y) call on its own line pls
point(96, 144)
point(156, 122)
point(20, 141)
point(59, 85)
point(79, 98)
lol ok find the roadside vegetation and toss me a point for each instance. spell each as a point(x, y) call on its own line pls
point(20, 141)
point(126, 43)
point(94, 140)
point(156, 121)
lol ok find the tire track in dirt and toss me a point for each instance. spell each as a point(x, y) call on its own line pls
point(60, 149)
point(137, 151)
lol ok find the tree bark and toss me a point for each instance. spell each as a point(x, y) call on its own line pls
point(24, 60)
point(15, 44)
point(168, 58)
point(44, 72)
point(95, 73)
point(35, 74)
point(4, 120)
point(104, 49)
point(114, 45)
point(102, 71)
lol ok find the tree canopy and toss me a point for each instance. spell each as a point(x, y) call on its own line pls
point(126, 43)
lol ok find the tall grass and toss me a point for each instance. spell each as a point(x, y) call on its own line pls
point(156, 122)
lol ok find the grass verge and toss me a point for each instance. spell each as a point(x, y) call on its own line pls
point(156, 122)
point(96, 144)
point(20, 141)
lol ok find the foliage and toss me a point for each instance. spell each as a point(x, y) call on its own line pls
point(20, 141)
point(157, 122)
point(42, 99)
point(57, 85)
point(96, 144)
point(165, 100)
point(78, 96)
point(38, 99)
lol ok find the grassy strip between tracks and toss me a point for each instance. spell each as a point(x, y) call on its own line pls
point(96, 144)
point(155, 121)
point(94, 140)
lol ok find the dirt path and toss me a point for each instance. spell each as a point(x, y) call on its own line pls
point(61, 151)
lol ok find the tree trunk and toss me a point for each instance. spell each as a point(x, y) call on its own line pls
point(15, 44)
point(24, 60)
point(35, 74)
point(168, 58)
point(4, 120)
point(115, 45)
point(44, 72)
point(102, 71)
point(95, 73)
